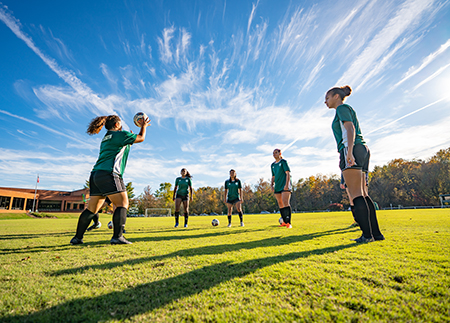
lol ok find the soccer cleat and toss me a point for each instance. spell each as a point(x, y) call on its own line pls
point(176, 225)
point(229, 225)
point(283, 224)
point(242, 224)
point(75, 241)
point(362, 239)
point(378, 238)
point(288, 226)
point(185, 225)
point(94, 226)
point(120, 240)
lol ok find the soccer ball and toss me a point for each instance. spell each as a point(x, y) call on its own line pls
point(138, 116)
point(215, 222)
point(110, 225)
point(281, 220)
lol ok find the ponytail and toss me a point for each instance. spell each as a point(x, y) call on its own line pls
point(97, 124)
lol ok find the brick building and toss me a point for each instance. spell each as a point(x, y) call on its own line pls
point(21, 199)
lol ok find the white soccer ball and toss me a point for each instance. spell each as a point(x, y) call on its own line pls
point(281, 220)
point(138, 116)
point(215, 222)
point(110, 225)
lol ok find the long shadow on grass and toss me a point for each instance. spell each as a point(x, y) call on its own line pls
point(206, 250)
point(144, 298)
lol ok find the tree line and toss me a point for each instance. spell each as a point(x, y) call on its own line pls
point(399, 182)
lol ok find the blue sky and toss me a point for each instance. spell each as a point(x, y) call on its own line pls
point(224, 82)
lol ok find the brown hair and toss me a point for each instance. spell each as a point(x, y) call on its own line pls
point(188, 175)
point(343, 91)
point(97, 124)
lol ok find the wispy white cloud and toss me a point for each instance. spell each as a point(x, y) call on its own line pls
point(425, 62)
point(431, 77)
point(164, 45)
point(252, 15)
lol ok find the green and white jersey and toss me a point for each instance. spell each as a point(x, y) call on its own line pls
point(344, 112)
point(114, 151)
point(233, 189)
point(183, 185)
point(279, 170)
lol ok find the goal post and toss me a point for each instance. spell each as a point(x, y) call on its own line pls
point(155, 212)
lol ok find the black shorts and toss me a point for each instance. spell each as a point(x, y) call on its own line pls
point(361, 154)
point(103, 183)
point(182, 197)
point(233, 201)
point(282, 191)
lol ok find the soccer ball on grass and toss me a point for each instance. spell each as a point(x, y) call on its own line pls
point(215, 223)
point(110, 225)
point(281, 220)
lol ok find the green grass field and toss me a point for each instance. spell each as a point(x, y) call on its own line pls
point(258, 273)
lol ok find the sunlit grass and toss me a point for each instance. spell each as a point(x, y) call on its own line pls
point(261, 272)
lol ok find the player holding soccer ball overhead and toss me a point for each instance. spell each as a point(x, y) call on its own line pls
point(106, 175)
point(233, 196)
point(182, 193)
point(281, 186)
point(354, 161)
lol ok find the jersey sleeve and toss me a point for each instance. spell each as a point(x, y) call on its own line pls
point(343, 113)
point(190, 182)
point(271, 168)
point(239, 184)
point(177, 181)
point(286, 166)
point(226, 184)
point(128, 137)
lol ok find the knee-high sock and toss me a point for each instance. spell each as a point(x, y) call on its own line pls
point(177, 217)
point(186, 217)
point(241, 217)
point(362, 215)
point(288, 214)
point(83, 222)
point(352, 208)
point(283, 214)
point(229, 219)
point(119, 220)
point(373, 217)
point(96, 218)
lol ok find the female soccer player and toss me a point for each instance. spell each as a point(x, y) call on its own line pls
point(106, 176)
point(233, 195)
point(354, 161)
point(182, 193)
point(281, 186)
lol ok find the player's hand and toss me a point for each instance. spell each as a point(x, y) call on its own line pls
point(350, 160)
point(342, 186)
point(144, 123)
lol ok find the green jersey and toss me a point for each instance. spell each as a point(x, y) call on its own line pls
point(183, 185)
point(344, 112)
point(279, 170)
point(233, 189)
point(114, 151)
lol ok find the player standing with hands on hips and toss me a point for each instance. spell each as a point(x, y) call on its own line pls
point(106, 178)
point(281, 186)
point(183, 186)
point(233, 196)
point(354, 161)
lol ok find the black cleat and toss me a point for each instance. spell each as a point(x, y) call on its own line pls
point(94, 226)
point(378, 238)
point(362, 239)
point(120, 240)
point(75, 241)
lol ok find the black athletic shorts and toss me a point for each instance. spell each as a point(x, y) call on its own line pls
point(233, 201)
point(103, 183)
point(182, 197)
point(361, 154)
point(279, 192)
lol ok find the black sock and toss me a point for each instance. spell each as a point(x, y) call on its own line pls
point(352, 208)
point(177, 217)
point(241, 217)
point(83, 222)
point(373, 217)
point(288, 214)
point(119, 220)
point(96, 218)
point(229, 219)
point(283, 214)
point(186, 217)
point(362, 215)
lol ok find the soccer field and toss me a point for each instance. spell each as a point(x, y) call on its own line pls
point(256, 273)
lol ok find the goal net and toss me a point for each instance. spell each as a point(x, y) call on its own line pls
point(157, 212)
